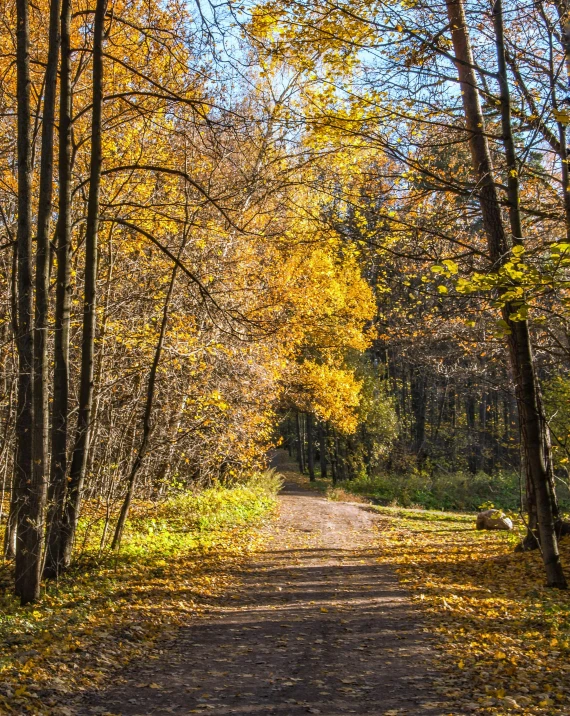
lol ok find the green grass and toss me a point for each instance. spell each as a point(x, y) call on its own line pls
point(461, 491)
point(193, 517)
point(176, 556)
point(422, 515)
point(437, 491)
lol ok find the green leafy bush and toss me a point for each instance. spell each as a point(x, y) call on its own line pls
point(184, 520)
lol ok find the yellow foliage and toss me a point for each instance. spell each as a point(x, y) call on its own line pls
point(333, 394)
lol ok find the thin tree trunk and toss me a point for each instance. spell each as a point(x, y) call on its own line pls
point(440, 412)
point(5, 447)
point(45, 203)
point(300, 447)
point(323, 449)
point(342, 458)
point(565, 38)
point(60, 407)
point(528, 396)
point(472, 450)
point(418, 397)
point(79, 459)
point(147, 427)
point(310, 447)
point(101, 363)
point(513, 193)
point(12, 522)
point(333, 452)
point(28, 510)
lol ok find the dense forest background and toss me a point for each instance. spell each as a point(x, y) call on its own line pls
point(342, 227)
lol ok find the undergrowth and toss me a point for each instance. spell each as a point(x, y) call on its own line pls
point(109, 608)
point(441, 490)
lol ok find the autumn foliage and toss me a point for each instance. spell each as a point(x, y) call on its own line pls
point(340, 228)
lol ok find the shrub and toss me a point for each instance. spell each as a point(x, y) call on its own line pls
point(445, 490)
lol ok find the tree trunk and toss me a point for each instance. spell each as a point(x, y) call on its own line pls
point(340, 466)
point(60, 407)
point(28, 504)
point(310, 447)
point(45, 203)
point(418, 398)
point(79, 458)
point(565, 39)
point(300, 446)
point(334, 457)
point(533, 425)
point(12, 522)
point(323, 449)
point(147, 427)
point(472, 454)
point(482, 432)
point(542, 432)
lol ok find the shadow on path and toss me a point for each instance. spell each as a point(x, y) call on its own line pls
point(317, 625)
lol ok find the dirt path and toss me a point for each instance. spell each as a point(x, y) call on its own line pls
point(317, 625)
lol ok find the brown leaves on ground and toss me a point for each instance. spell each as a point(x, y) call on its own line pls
point(504, 638)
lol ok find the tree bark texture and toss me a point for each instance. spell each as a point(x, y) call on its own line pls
point(79, 459)
point(45, 205)
point(533, 424)
point(60, 408)
point(28, 503)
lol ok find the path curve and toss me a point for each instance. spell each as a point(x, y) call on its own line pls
point(318, 625)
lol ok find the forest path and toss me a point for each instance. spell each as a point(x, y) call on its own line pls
point(317, 624)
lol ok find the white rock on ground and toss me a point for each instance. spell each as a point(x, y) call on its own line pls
point(493, 520)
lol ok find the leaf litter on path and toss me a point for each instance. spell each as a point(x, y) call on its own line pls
point(340, 636)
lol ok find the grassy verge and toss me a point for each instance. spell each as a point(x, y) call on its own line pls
point(109, 609)
point(437, 490)
point(459, 491)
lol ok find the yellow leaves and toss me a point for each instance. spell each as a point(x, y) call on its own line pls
point(216, 400)
point(451, 266)
point(501, 631)
point(331, 393)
